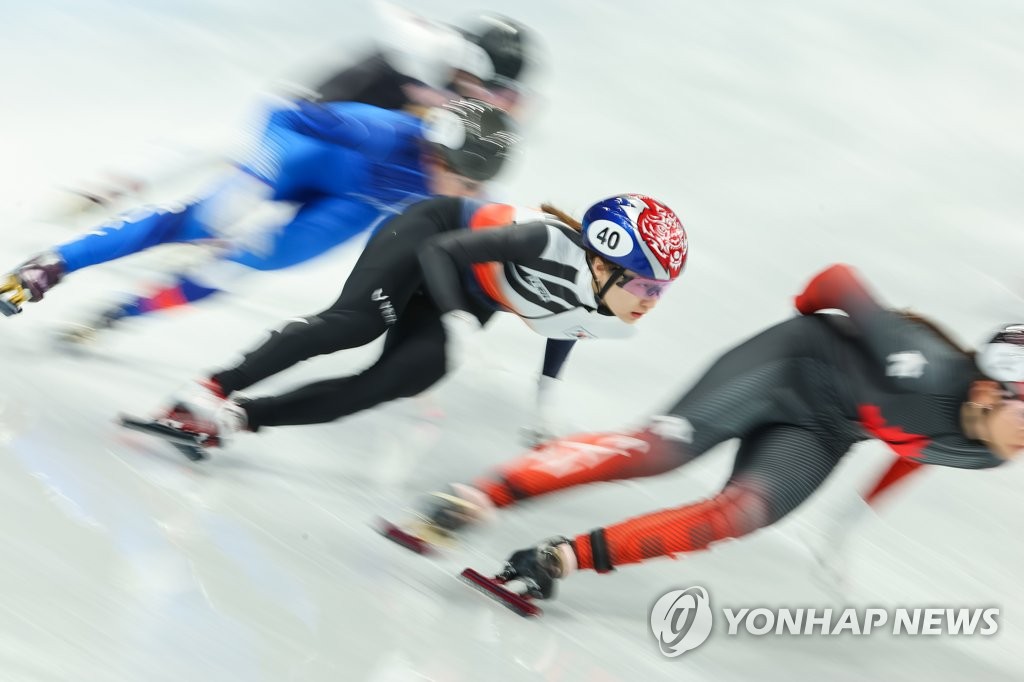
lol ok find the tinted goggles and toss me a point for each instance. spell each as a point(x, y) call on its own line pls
point(641, 287)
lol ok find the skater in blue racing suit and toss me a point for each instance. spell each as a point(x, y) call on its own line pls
point(348, 167)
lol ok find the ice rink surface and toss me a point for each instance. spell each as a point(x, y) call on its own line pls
point(788, 135)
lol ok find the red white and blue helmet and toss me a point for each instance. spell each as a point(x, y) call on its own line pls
point(637, 233)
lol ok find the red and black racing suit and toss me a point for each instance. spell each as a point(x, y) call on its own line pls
point(797, 396)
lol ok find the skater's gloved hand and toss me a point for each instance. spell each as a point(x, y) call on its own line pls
point(542, 425)
point(830, 288)
point(537, 568)
point(459, 328)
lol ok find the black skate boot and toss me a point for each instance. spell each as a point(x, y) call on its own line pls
point(528, 575)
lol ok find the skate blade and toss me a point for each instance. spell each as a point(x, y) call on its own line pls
point(72, 202)
point(8, 309)
point(400, 536)
point(496, 590)
point(184, 442)
point(14, 295)
point(76, 335)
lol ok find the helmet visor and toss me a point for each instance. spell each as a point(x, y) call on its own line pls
point(642, 287)
point(1002, 358)
point(502, 93)
point(1003, 362)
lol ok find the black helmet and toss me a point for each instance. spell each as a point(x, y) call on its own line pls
point(473, 137)
point(505, 42)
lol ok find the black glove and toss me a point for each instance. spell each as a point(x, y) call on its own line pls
point(537, 568)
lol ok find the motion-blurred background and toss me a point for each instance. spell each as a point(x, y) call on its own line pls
point(787, 135)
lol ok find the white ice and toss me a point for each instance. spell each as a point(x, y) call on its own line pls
point(788, 135)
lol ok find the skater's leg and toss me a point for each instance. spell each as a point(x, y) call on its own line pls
point(134, 232)
point(183, 291)
point(207, 218)
point(406, 368)
point(578, 460)
point(318, 227)
point(383, 280)
point(776, 470)
point(130, 234)
point(352, 321)
point(725, 403)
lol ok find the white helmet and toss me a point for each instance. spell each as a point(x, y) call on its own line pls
point(428, 51)
point(1002, 356)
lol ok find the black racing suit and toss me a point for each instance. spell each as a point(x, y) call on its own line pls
point(388, 291)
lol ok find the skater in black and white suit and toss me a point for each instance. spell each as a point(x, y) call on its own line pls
point(429, 279)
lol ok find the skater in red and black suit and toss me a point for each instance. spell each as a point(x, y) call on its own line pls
point(797, 396)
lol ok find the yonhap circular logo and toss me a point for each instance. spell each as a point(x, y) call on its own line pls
point(681, 620)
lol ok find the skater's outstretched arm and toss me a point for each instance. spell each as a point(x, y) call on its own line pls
point(898, 342)
point(542, 426)
point(556, 352)
point(446, 257)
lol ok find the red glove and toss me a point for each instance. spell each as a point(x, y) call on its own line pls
point(828, 289)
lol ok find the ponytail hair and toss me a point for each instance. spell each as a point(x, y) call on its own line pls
point(576, 225)
point(938, 331)
point(562, 216)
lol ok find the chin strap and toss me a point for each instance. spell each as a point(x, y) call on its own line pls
point(617, 272)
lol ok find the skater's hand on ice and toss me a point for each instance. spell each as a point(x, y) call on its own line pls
point(541, 426)
point(459, 328)
point(533, 435)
